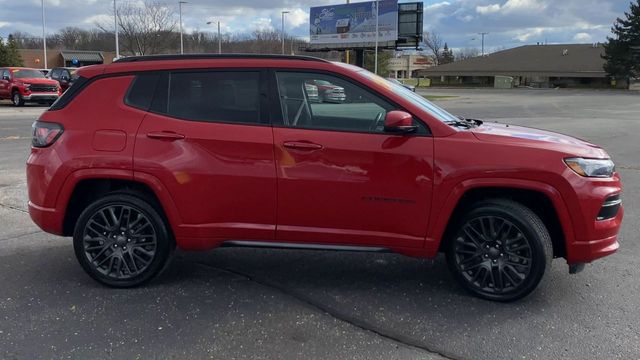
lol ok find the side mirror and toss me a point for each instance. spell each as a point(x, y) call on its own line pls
point(64, 78)
point(398, 121)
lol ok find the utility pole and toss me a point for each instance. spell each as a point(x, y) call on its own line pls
point(44, 38)
point(375, 68)
point(115, 23)
point(483, 34)
point(283, 13)
point(180, 11)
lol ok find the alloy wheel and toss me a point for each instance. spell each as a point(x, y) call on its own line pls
point(492, 254)
point(119, 241)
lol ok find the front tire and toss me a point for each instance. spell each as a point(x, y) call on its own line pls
point(121, 241)
point(500, 250)
point(17, 99)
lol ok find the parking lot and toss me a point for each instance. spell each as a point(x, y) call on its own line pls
point(266, 304)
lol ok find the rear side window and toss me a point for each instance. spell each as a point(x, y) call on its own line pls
point(214, 96)
point(141, 92)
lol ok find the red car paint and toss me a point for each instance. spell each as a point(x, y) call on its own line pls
point(219, 181)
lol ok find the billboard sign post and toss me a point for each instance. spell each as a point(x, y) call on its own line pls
point(354, 25)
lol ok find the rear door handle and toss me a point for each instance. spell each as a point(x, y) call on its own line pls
point(165, 135)
point(300, 145)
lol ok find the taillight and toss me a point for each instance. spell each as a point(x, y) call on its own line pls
point(45, 133)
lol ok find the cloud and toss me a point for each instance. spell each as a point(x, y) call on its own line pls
point(582, 37)
point(493, 8)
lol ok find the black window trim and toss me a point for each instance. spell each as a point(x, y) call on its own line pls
point(265, 116)
point(278, 117)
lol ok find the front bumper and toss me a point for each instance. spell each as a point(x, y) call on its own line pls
point(41, 97)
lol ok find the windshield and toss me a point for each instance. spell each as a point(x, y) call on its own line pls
point(27, 74)
point(437, 112)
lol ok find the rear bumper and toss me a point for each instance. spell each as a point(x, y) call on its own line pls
point(48, 219)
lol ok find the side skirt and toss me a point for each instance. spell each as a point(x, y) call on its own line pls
point(298, 246)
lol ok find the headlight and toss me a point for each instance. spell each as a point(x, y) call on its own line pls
point(591, 167)
point(26, 85)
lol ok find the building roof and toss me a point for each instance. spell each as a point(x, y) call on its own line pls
point(563, 60)
point(69, 55)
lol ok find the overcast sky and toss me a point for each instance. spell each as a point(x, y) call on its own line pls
point(509, 22)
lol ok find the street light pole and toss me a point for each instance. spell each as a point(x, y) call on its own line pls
point(44, 38)
point(180, 11)
point(375, 68)
point(483, 34)
point(283, 13)
point(219, 37)
point(115, 23)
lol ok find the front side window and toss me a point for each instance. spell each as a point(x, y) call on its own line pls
point(320, 101)
point(215, 96)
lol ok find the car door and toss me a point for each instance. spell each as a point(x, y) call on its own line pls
point(208, 141)
point(341, 179)
point(5, 85)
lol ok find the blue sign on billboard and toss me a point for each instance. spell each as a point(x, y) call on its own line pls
point(354, 23)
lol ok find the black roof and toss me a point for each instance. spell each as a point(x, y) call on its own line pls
point(217, 56)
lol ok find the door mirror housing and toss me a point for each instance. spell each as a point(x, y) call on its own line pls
point(398, 121)
point(64, 78)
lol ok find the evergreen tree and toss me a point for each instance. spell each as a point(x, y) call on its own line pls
point(12, 52)
point(9, 54)
point(447, 55)
point(622, 53)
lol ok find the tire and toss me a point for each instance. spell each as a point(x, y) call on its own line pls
point(121, 241)
point(499, 250)
point(17, 99)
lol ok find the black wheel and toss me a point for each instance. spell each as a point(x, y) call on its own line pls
point(17, 99)
point(122, 241)
point(500, 250)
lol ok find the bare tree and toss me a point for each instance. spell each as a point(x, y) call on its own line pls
point(146, 28)
point(466, 53)
point(434, 43)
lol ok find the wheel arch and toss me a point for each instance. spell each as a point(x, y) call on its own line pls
point(84, 190)
point(544, 200)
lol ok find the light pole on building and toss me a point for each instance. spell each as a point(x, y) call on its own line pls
point(180, 12)
point(115, 24)
point(283, 13)
point(219, 37)
point(44, 38)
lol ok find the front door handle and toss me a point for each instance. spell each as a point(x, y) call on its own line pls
point(300, 145)
point(165, 135)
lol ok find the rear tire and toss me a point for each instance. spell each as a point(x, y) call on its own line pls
point(17, 99)
point(500, 250)
point(121, 241)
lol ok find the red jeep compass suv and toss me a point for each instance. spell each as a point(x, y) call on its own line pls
point(200, 151)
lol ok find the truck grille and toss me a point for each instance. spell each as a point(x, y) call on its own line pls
point(43, 88)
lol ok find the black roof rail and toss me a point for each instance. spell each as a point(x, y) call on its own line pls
point(216, 56)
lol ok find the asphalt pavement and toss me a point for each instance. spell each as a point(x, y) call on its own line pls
point(268, 304)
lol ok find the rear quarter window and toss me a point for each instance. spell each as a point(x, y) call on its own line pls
point(141, 92)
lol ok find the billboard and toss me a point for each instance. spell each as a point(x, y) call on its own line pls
point(352, 24)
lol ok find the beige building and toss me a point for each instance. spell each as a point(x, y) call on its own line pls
point(34, 58)
point(404, 66)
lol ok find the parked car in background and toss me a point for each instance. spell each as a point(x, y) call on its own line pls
point(312, 92)
point(44, 71)
point(202, 151)
point(329, 92)
point(65, 76)
point(27, 85)
point(406, 86)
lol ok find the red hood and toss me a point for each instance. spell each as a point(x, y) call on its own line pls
point(495, 132)
point(37, 81)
